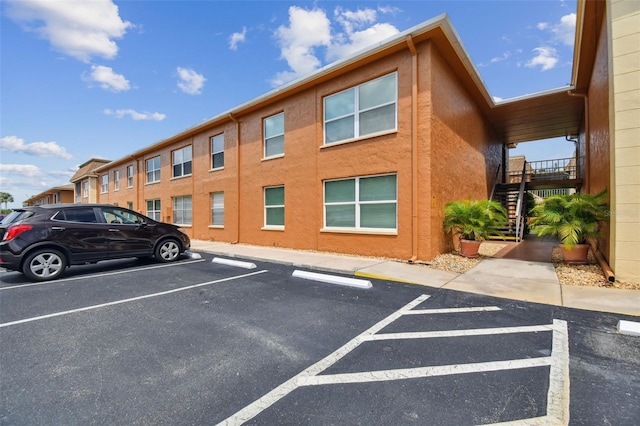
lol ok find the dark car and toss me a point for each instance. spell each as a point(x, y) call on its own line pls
point(43, 240)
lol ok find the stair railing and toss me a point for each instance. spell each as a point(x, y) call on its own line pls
point(520, 204)
point(495, 181)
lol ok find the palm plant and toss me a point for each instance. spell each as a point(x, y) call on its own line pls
point(571, 218)
point(474, 219)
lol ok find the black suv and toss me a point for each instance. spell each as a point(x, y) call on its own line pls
point(45, 239)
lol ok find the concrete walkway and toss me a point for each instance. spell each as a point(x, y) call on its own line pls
point(511, 278)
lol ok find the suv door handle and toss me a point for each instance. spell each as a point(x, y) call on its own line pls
point(57, 228)
point(114, 230)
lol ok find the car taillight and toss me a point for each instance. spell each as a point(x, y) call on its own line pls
point(15, 230)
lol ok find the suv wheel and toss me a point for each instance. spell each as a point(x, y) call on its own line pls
point(45, 264)
point(167, 251)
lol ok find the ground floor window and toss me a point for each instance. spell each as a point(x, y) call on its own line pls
point(361, 203)
point(217, 209)
point(182, 210)
point(153, 209)
point(274, 206)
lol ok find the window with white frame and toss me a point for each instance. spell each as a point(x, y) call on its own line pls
point(361, 203)
point(130, 176)
point(153, 210)
point(217, 151)
point(85, 188)
point(182, 210)
point(181, 159)
point(153, 170)
point(367, 109)
point(104, 184)
point(217, 208)
point(274, 135)
point(274, 206)
point(116, 180)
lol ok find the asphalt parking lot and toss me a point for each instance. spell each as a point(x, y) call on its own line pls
point(198, 342)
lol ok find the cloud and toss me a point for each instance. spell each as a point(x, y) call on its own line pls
point(190, 81)
point(135, 115)
point(237, 38)
point(39, 149)
point(107, 79)
point(24, 170)
point(81, 29)
point(546, 58)
point(565, 30)
point(309, 32)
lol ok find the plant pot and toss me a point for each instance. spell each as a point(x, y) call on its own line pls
point(469, 248)
point(577, 255)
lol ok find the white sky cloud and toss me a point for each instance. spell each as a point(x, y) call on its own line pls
point(39, 149)
point(237, 38)
point(135, 115)
point(309, 31)
point(107, 79)
point(81, 29)
point(190, 81)
point(24, 170)
point(546, 58)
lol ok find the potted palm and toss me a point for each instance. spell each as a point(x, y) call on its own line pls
point(573, 219)
point(473, 221)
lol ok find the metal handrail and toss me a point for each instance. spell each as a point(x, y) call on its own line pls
point(495, 181)
point(520, 204)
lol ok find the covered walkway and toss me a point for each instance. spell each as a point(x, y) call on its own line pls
point(532, 249)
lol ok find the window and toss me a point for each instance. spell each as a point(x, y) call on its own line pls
point(217, 209)
point(104, 184)
point(130, 205)
point(217, 152)
point(182, 162)
point(361, 203)
point(84, 215)
point(85, 188)
point(153, 210)
point(182, 210)
point(274, 135)
point(120, 216)
point(130, 176)
point(363, 110)
point(274, 206)
point(116, 180)
point(153, 170)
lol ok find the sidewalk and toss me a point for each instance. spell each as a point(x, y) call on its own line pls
point(529, 281)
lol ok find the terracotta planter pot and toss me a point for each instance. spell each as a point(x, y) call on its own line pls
point(469, 248)
point(576, 256)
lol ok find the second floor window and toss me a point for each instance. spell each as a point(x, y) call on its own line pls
point(153, 170)
point(217, 151)
point(182, 162)
point(274, 135)
point(363, 110)
point(130, 176)
point(104, 184)
point(116, 180)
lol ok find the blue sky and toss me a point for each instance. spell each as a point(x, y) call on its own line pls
point(104, 78)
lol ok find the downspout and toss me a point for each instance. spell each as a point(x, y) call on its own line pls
point(587, 140)
point(414, 149)
point(237, 178)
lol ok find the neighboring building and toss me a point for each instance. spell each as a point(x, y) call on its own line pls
point(361, 156)
point(85, 181)
point(55, 195)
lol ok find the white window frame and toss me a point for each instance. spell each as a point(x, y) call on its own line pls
point(129, 176)
point(266, 139)
point(85, 189)
point(182, 215)
point(217, 206)
point(153, 174)
point(357, 112)
point(274, 206)
point(217, 153)
point(116, 180)
point(357, 203)
point(182, 162)
point(155, 212)
point(104, 183)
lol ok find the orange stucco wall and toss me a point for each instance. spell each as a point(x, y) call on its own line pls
point(453, 144)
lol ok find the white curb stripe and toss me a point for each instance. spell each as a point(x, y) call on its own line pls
point(332, 279)
point(238, 263)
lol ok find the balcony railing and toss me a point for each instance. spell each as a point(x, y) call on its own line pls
point(559, 169)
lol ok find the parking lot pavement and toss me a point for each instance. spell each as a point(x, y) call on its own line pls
point(198, 342)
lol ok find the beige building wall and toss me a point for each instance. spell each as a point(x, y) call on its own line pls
point(624, 17)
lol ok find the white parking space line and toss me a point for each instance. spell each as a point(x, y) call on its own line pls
point(133, 299)
point(558, 361)
point(105, 274)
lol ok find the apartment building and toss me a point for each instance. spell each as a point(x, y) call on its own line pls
point(361, 156)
